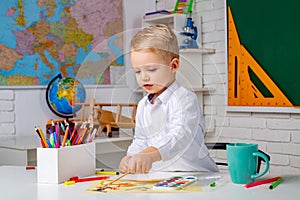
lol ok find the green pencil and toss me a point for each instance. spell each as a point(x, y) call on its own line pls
point(275, 183)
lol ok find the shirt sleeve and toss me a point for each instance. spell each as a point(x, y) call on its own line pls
point(136, 146)
point(183, 127)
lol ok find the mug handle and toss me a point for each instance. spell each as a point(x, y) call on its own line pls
point(265, 158)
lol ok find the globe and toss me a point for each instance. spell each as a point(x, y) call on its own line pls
point(63, 94)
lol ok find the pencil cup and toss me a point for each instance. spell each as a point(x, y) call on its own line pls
point(56, 165)
point(242, 162)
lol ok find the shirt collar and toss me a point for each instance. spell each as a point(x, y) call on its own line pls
point(165, 96)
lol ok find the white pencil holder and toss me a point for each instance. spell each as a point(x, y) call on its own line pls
point(56, 165)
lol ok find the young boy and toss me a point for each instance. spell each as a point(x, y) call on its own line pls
point(169, 132)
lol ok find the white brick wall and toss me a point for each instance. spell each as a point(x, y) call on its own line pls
point(7, 113)
point(277, 134)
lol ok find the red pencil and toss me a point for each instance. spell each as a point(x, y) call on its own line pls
point(261, 182)
point(77, 180)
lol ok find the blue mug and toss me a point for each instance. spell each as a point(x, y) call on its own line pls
point(242, 162)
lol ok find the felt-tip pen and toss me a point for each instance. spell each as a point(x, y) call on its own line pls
point(101, 172)
point(76, 179)
point(55, 140)
point(275, 183)
point(49, 143)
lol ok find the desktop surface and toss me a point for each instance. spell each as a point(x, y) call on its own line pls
point(18, 183)
point(21, 150)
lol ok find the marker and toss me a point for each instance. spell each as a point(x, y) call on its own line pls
point(53, 126)
point(30, 167)
point(50, 131)
point(62, 126)
point(213, 184)
point(69, 182)
point(274, 184)
point(57, 131)
point(75, 179)
point(52, 140)
point(262, 182)
point(49, 143)
point(55, 140)
point(101, 172)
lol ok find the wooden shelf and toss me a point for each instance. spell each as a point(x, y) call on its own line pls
point(199, 50)
point(162, 19)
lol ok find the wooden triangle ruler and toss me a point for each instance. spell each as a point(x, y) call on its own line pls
point(241, 89)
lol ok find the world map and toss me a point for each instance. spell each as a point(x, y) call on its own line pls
point(42, 38)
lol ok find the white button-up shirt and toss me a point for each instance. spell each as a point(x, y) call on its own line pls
point(175, 126)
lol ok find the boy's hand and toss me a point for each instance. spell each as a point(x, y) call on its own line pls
point(123, 166)
point(140, 163)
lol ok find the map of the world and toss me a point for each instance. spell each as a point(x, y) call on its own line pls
point(42, 38)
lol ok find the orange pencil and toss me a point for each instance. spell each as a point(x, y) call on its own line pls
point(78, 134)
point(65, 136)
point(82, 134)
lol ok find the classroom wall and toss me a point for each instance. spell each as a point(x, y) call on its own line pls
point(23, 108)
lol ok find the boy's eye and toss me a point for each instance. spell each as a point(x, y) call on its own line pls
point(152, 70)
point(137, 72)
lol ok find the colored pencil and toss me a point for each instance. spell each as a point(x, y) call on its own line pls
point(249, 185)
point(115, 180)
point(42, 136)
point(65, 136)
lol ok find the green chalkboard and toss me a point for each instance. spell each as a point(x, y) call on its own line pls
point(270, 31)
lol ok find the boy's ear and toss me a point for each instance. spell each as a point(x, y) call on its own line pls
point(175, 64)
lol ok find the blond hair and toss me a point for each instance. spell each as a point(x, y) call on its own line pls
point(158, 39)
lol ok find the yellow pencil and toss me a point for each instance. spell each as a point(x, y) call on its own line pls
point(113, 181)
point(42, 136)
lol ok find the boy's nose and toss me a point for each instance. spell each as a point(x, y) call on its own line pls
point(146, 78)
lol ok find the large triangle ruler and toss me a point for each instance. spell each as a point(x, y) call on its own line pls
point(242, 91)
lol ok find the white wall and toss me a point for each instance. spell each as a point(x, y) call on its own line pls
point(22, 109)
